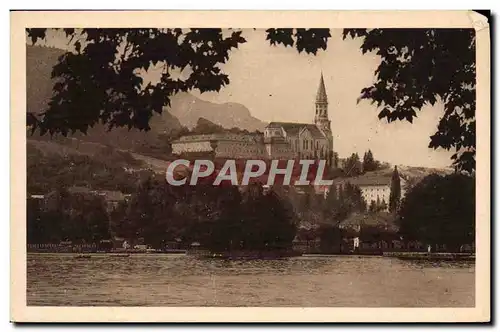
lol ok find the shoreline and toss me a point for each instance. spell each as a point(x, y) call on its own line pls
point(409, 256)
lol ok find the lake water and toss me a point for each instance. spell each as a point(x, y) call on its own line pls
point(309, 281)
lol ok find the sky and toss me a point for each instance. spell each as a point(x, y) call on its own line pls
point(278, 84)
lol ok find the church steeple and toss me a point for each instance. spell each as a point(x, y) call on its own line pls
point(321, 104)
point(321, 118)
point(321, 95)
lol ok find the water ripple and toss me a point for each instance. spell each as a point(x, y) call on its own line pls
point(178, 280)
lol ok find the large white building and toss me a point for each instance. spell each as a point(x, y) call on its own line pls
point(374, 186)
point(221, 145)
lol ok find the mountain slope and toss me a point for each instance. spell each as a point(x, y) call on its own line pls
point(188, 109)
point(39, 64)
point(64, 147)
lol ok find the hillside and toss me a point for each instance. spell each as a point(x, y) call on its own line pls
point(51, 165)
point(64, 147)
point(188, 109)
point(413, 174)
point(72, 162)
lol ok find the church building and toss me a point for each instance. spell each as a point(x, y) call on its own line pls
point(281, 140)
point(303, 140)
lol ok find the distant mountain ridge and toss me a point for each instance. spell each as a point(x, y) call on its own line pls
point(188, 109)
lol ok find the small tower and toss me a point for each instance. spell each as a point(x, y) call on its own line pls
point(321, 117)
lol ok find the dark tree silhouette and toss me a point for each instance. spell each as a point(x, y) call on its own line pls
point(369, 162)
point(440, 210)
point(64, 216)
point(34, 221)
point(353, 166)
point(395, 195)
point(341, 201)
point(331, 238)
point(420, 66)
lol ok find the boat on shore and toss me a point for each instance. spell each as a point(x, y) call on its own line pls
point(431, 256)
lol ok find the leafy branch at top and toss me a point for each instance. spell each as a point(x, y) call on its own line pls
point(418, 67)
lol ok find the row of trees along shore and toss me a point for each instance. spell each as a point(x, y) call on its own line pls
point(220, 218)
point(437, 210)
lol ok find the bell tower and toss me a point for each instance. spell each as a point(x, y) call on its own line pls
point(321, 117)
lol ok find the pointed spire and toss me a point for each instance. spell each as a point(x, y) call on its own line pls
point(321, 95)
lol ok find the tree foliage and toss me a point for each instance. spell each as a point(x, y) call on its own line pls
point(331, 237)
point(419, 67)
point(219, 217)
point(395, 195)
point(440, 210)
point(62, 216)
point(343, 200)
point(353, 166)
point(305, 40)
point(369, 162)
point(377, 206)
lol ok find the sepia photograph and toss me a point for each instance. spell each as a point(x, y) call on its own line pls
point(249, 167)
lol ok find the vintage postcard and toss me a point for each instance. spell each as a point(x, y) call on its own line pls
point(264, 166)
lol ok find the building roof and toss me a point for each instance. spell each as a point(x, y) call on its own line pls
point(321, 94)
point(275, 140)
point(314, 130)
point(236, 137)
point(294, 128)
point(370, 179)
point(291, 128)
